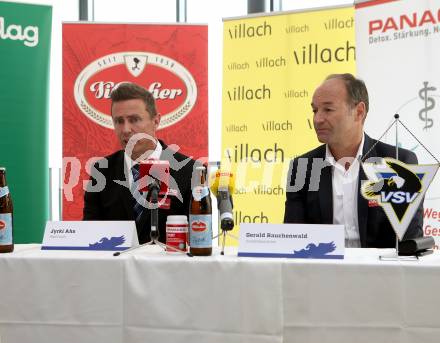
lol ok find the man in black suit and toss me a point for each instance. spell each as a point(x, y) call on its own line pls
point(111, 193)
point(323, 185)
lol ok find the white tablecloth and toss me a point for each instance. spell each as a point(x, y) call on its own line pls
point(151, 296)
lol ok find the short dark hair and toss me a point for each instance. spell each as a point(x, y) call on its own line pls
point(356, 89)
point(129, 91)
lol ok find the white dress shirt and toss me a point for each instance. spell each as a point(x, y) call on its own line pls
point(345, 195)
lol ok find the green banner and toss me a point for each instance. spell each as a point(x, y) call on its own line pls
point(24, 84)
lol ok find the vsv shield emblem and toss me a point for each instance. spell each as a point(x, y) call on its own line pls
point(398, 188)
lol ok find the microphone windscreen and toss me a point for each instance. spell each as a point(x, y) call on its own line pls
point(154, 169)
point(221, 180)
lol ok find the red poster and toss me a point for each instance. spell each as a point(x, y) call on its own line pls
point(171, 61)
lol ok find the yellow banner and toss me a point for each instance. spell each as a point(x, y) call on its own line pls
point(271, 66)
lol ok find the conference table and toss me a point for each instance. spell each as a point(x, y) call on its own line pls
point(149, 295)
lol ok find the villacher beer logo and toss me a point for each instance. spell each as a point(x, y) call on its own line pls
point(14, 32)
point(420, 110)
point(2, 224)
point(199, 226)
point(171, 84)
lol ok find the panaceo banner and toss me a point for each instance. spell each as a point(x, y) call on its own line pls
point(272, 65)
point(398, 52)
point(24, 84)
point(168, 60)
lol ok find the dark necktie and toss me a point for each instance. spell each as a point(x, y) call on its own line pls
point(137, 208)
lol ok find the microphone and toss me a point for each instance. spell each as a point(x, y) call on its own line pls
point(222, 186)
point(154, 178)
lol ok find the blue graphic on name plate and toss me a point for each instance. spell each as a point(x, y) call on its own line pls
point(320, 251)
point(107, 243)
point(316, 251)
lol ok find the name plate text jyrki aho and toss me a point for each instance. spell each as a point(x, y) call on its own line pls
point(90, 235)
point(292, 241)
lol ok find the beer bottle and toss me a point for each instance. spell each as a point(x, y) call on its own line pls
point(200, 216)
point(6, 243)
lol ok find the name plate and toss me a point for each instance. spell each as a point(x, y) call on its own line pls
point(90, 235)
point(292, 241)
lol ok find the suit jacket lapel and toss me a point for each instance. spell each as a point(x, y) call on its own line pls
point(362, 202)
point(326, 195)
point(121, 174)
point(362, 210)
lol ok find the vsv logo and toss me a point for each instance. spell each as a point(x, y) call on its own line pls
point(398, 197)
point(29, 35)
point(398, 187)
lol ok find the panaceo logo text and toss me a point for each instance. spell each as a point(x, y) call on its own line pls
point(413, 20)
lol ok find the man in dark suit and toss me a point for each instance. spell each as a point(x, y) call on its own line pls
point(323, 185)
point(111, 193)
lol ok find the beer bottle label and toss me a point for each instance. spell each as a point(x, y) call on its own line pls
point(4, 191)
point(5, 228)
point(199, 192)
point(200, 226)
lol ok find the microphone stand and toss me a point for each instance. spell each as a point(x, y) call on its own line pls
point(396, 121)
point(396, 257)
point(153, 189)
point(226, 224)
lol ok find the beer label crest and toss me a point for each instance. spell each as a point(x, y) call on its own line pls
point(5, 228)
point(200, 235)
point(4, 191)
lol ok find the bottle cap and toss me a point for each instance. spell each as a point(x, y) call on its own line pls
point(177, 220)
point(2, 168)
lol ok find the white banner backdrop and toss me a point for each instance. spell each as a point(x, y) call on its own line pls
point(398, 54)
